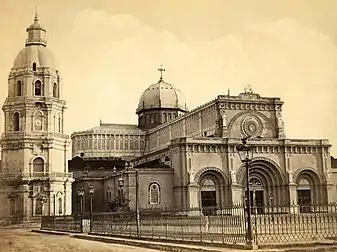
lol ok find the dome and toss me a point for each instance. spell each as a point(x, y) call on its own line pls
point(40, 55)
point(162, 95)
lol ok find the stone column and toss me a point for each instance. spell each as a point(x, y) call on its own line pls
point(236, 194)
point(331, 193)
point(68, 198)
point(293, 198)
point(26, 205)
point(193, 198)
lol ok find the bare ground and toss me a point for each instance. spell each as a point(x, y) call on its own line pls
point(19, 240)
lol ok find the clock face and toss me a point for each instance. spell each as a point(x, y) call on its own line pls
point(38, 122)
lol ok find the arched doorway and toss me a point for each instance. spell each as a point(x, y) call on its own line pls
point(208, 194)
point(267, 184)
point(309, 190)
point(257, 195)
point(212, 191)
point(304, 195)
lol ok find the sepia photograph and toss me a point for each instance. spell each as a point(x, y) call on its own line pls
point(167, 125)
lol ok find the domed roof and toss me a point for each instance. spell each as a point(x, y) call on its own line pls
point(36, 50)
point(40, 55)
point(162, 95)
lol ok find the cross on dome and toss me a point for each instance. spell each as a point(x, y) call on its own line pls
point(161, 70)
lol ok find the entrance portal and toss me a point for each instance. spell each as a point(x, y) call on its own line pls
point(304, 200)
point(208, 197)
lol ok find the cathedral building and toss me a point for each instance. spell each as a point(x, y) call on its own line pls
point(173, 158)
point(188, 158)
point(34, 178)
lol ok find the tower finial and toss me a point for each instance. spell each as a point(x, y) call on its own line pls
point(248, 89)
point(36, 17)
point(161, 70)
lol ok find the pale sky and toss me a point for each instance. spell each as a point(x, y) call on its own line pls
point(108, 52)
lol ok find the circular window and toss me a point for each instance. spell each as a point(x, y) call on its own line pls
point(251, 126)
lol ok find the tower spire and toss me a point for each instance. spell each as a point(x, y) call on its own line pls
point(36, 33)
point(36, 19)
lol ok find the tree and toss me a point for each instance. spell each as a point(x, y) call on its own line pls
point(119, 204)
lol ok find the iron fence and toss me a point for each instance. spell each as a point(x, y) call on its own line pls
point(66, 223)
point(271, 224)
point(225, 225)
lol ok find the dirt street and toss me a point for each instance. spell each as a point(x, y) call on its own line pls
point(13, 240)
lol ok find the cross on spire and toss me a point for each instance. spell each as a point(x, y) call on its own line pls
point(36, 17)
point(161, 70)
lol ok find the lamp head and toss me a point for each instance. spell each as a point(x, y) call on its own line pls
point(120, 182)
point(245, 153)
point(91, 189)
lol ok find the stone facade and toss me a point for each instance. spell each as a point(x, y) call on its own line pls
point(194, 161)
point(34, 172)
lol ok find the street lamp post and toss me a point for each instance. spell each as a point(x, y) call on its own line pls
point(91, 193)
point(120, 186)
point(80, 194)
point(246, 156)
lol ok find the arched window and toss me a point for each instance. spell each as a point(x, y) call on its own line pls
point(131, 145)
point(99, 144)
point(86, 145)
point(18, 91)
point(38, 88)
point(55, 91)
point(136, 145)
point(34, 66)
point(90, 144)
point(169, 117)
point(16, 121)
point(141, 145)
point(126, 145)
point(154, 194)
point(38, 165)
point(121, 145)
point(60, 206)
point(165, 117)
point(151, 119)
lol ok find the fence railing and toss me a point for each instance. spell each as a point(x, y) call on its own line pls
point(65, 223)
point(270, 224)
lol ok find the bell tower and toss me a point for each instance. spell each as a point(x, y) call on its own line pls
point(33, 144)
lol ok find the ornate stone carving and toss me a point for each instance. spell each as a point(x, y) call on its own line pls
point(280, 125)
point(224, 120)
point(268, 162)
point(37, 149)
point(328, 176)
point(298, 172)
point(290, 176)
point(210, 168)
point(251, 126)
point(233, 177)
point(12, 195)
point(266, 120)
